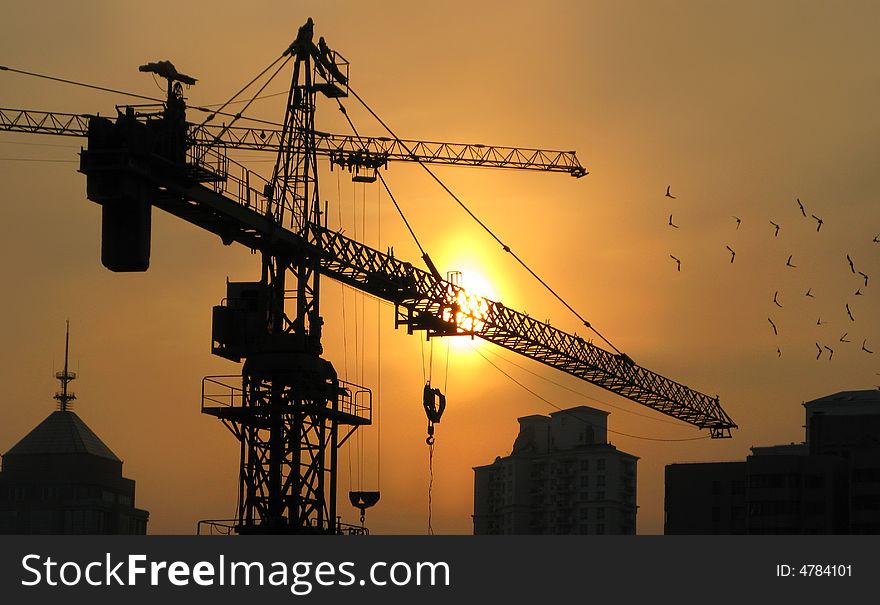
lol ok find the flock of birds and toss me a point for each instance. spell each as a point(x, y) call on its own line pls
point(821, 349)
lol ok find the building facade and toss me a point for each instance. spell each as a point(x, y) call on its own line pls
point(829, 484)
point(562, 477)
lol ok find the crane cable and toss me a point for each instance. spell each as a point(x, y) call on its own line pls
point(200, 108)
point(426, 375)
point(237, 116)
point(504, 246)
point(580, 393)
point(568, 412)
point(384, 183)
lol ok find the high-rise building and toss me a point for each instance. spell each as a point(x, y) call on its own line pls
point(62, 479)
point(562, 477)
point(829, 484)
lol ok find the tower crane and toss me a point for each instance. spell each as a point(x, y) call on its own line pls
point(289, 409)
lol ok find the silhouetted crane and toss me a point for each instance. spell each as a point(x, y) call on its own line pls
point(289, 410)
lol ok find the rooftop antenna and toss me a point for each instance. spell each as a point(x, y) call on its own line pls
point(64, 397)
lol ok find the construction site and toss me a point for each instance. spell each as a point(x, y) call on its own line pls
point(313, 286)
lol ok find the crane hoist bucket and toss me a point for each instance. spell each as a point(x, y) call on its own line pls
point(363, 500)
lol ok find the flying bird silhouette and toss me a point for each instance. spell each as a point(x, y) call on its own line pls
point(858, 292)
point(775, 331)
point(864, 348)
point(667, 192)
point(671, 224)
point(819, 354)
point(738, 221)
point(788, 263)
point(819, 322)
point(778, 352)
point(848, 312)
point(801, 206)
point(775, 300)
point(866, 278)
point(831, 353)
point(819, 222)
point(852, 267)
point(877, 239)
point(732, 253)
point(809, 293)
point(677, 262)
point(776, 234)
point(843, 338)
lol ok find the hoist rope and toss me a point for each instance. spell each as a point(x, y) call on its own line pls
point(568, 412)
point(485, 227)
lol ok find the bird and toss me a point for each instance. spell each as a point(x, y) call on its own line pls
point(864, 348)
point(671, 224)
point(732, 253)
point(866, 278)
point(843, 338)
point(852, 267)
point(778, 352)
point(788, 263)
point(819, 322)
point(830, 353)
point(819, 222)
point(809, 293)
point(738, 221)
point(775, 300)
point(858, 292)
point(877, 239)
point(667, 192)
point(677, 262)
point(848, 312)
point(819, 354)
point(801, 206)
point(776, 234)
point(775, 331)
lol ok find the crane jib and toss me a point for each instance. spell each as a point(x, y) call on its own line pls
point(234, 210)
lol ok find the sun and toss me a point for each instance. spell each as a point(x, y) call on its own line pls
point(472, 303)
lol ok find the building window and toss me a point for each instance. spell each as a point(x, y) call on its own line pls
point(818, 481)
point(585, 513)
point(737, 488)
point(585, 465)
point(600, 528)
point(585, 481)
point(600, 481)
point(600, 495)
point(600, 464)
point(600, 513)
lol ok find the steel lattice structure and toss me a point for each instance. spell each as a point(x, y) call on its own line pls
point(288, 409)
point(376, 150)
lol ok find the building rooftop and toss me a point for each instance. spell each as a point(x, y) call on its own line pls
point(62, 432)
point(848, 398)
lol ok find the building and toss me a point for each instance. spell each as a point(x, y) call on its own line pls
point(62, 479)
point(562, 477)
point(829, 484)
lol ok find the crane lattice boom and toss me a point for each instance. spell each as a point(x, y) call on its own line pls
point(369, 151)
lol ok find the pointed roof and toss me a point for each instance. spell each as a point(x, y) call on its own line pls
point(62, 432)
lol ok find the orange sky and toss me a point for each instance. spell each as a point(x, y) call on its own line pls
point(740, 108)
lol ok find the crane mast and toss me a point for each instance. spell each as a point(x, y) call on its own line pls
point(289, 420)
point(288, 408)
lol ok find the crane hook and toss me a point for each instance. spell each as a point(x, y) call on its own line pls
point(434, 403)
